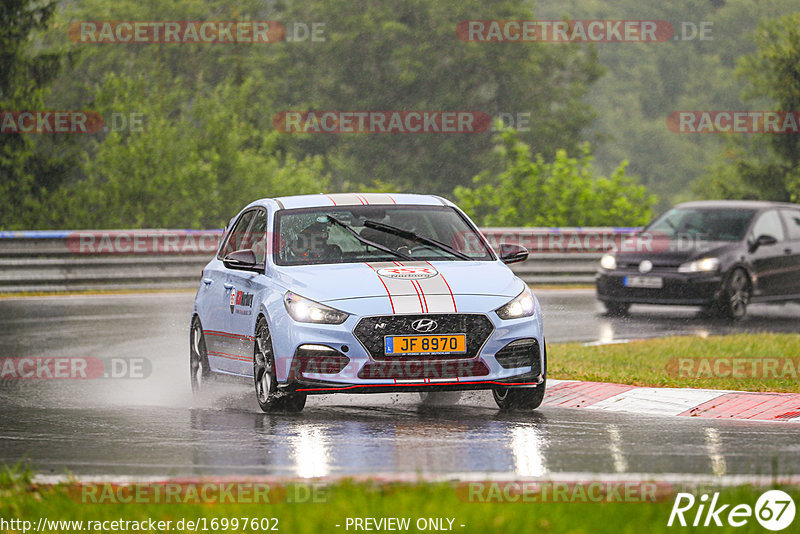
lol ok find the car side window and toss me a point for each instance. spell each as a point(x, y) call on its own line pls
point(792, 220)
point(257, 236)
point(237, 234)
point(769, 223)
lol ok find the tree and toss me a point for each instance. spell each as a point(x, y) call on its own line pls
point(192, 163)
point(27, 169)
point(388, 55)
point(765, 166)
point(564, 192)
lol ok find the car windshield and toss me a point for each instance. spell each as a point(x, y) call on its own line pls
point(709, 224)
point(351, 234)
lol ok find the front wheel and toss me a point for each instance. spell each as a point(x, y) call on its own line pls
point(519, 398)
point(199, 369)
point(735, 295)
point(266, 384)
point(522, 398)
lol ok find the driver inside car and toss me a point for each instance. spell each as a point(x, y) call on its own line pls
point(311, 244)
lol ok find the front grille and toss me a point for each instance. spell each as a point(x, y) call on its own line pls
point(370, 331)
point(420, 370)
point(520, 353)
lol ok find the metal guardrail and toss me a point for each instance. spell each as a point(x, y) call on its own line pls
point(37, 261)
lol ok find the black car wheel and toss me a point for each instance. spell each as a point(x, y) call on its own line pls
point(266, 384)
point(617, 309)
point(199, 369)
point(735, 295)
point(522, 398)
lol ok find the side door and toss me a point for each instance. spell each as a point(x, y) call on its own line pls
point(245, 293)
point(791, 218)
point(769, 261)
point(220, 341)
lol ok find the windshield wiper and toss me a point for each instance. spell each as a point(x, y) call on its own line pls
point(411, 236)
point(367, 241)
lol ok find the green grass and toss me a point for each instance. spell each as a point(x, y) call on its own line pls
point(655, 362)
point(22, 499)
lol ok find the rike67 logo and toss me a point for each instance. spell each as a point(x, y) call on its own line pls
point(774, 510)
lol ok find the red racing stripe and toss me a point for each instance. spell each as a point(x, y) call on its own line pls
point(391, 302)
point(229, 356)
point(453, 297)
point(421, 292)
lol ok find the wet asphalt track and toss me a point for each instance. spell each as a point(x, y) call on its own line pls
point(153, 426)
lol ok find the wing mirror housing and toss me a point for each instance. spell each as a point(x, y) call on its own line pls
point(512, 253)
point(242, 260)
point(762, 240)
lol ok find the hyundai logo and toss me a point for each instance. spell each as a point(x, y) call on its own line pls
point(424, 325)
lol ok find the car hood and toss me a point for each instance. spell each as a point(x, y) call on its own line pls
point(359, 280)
point(671, 253)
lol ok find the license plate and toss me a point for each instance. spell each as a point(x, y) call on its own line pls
point(415, 345)
point(652, 282)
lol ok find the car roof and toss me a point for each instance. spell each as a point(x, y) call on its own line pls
point(357, 199)
point(736, 204)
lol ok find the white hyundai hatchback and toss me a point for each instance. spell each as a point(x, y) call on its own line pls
point(365, 293)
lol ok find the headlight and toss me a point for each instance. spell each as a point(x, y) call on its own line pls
point(523, 305)
point(304, 310)
point(706, 265)
point(608, 262)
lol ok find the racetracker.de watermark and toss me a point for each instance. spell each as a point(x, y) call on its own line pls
point(759, 368)
point(185, 32)
point(392, 122)
point(200, 492)
point(588, 491)
point(143, 242)
point(565, 31)
point(50, 121)
point(734, 121)
point(72, 368)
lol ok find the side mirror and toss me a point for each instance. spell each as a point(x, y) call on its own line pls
point(762, 240)
point(243, 260)
point(512, 253)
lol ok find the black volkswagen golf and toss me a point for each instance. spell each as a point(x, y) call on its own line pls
point(720, 254)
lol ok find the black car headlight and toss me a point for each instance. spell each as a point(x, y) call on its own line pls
point(305, 310)
point(705, 265)
point(608, 262)
point(523, 305)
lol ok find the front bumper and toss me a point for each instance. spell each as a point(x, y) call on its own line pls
point(353, 367)
point(691, 289)
point(320, 387)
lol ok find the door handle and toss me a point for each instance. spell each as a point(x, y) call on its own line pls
point(228, 285)
point(787, 251)
point(207, 281)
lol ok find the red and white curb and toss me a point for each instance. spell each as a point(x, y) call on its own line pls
point(715, 404)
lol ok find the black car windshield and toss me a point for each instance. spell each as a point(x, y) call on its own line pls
point(709, 224)
point(309, 236)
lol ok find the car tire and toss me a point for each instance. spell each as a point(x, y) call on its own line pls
point(735, 295)
point(264, 377)
point(617, 309)
point(522, 398)
point(199, 369)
